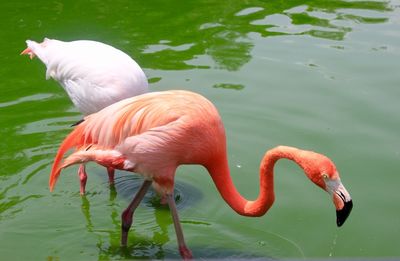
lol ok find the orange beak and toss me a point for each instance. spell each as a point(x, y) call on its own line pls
point(29, 52)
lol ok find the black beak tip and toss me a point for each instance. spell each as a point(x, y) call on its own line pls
point(341, 215)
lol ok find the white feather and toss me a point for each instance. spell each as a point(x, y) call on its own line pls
point(93, 74)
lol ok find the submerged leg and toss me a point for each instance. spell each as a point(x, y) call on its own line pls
point(163, 200)
point(185, 252)
point(128, 212)
point(111, 172)
point(82, 178)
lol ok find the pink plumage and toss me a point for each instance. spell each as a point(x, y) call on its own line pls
point(152, 134)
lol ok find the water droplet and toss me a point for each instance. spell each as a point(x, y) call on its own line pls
point(333, 245)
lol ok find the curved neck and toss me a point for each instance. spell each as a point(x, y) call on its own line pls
point(220, 174)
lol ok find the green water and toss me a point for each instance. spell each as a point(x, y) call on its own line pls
point(320, 75)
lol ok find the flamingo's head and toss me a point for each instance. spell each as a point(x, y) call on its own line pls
point(36, 49)
point(322, 171)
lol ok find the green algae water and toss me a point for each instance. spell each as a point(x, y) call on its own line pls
point(319, 75)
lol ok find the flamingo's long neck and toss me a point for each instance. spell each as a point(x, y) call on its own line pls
point(221, 176)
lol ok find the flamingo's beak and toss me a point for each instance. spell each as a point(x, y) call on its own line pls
point(29, 52)
point(341, 215)
point(341, 199)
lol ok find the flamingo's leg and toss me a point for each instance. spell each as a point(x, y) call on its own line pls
point(82, 178)
point(111, 172)
point(163, 200)
point(185, 252)
point(127, 214)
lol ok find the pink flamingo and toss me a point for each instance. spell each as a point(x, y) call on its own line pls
point(154, 133)
point(93, 74)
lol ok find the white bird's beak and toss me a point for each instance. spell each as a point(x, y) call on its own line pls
point(29, 52)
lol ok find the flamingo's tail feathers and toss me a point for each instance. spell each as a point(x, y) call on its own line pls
point(107, 158)
point(73, 140)
point(78, 157)
point(75, 158)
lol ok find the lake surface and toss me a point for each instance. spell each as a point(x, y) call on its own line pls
point(319, 75)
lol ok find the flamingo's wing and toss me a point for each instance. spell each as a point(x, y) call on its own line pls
point(121, 131)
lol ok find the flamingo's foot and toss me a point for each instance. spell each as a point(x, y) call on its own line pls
point(185, 252)
point(124, 238)
point(163, 200)
point(127, 219)
point(82, 178)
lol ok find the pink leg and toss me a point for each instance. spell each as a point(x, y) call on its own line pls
point(163, 200)
point(128, 212)
point(83, 178)
point(185, 252)
point(111, 172)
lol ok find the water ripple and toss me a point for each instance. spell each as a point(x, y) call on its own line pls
point(163, 46)
point(185, 194)
point(249, 10)
point(36, 97)
point(47, 125)
point(14, 193)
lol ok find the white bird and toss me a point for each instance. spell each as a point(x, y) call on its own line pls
point(93, 74)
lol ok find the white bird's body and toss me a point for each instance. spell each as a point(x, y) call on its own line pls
point(93, 74)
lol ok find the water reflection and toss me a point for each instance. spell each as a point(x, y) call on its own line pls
point(12, 196)
point(223, 34)
point(169, 36)
point(150, 238)
point(139, 246)
point(229, 86)
point(35, 97)
point(155, 246)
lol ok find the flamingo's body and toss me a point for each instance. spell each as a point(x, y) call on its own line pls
point(152, 134)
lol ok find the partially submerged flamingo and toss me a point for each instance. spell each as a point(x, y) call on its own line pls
point(93, 74)
point(154, 133)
